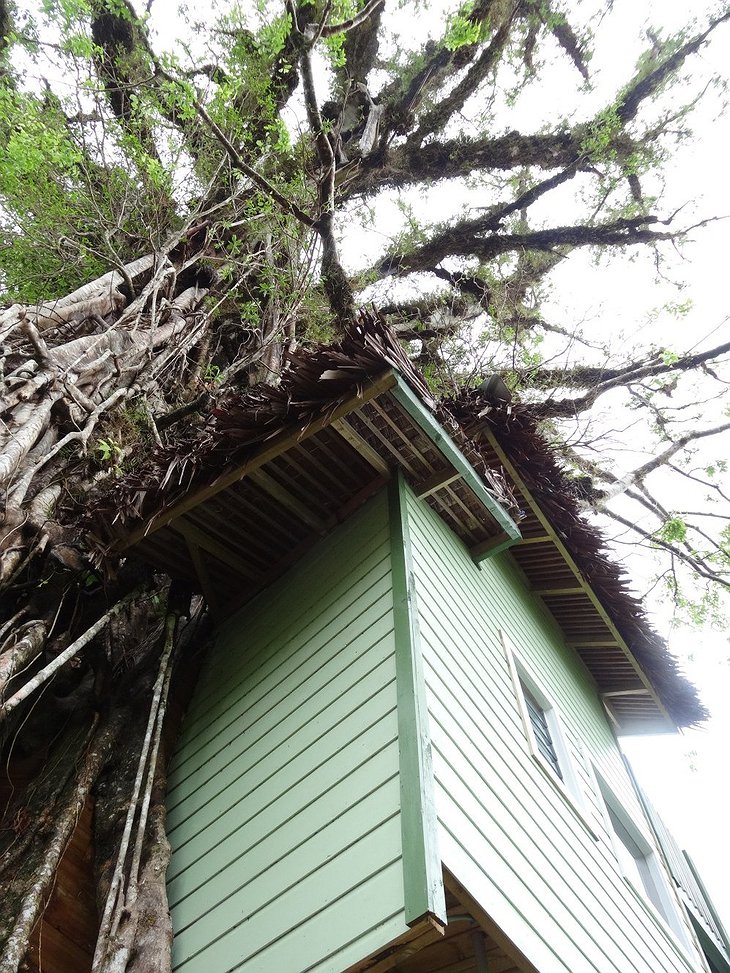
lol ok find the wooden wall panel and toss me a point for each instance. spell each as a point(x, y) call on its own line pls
point(284, 804)
point(544, 871)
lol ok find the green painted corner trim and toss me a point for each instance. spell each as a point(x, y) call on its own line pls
point(438, 436)
point(422, 874)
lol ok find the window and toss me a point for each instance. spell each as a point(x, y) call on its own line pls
point(543, 729)
point(634, 860)
point(638, 861)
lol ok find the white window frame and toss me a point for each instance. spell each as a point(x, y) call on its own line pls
point(523, 675)
point(647, 869)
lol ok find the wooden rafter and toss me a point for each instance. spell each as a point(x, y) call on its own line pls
point(353, 437)
point(437, 481)
point(393, 450)
point(549, 592)
point(287, 499)
point(491, 546)
point(195, 537)
point(549, 529)
point(201, 570)
point(635, 691)
point(406, 439)
point(594, 644)
point(276, 445)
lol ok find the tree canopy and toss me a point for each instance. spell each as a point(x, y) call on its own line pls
point(185, 199)
point(303, 159)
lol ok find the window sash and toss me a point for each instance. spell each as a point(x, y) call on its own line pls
point(635, 862)
point(541, 730)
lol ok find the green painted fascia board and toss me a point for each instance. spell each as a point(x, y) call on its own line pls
point(719, 959)
point(710, 905)
point(422, 874)
point(443, 442)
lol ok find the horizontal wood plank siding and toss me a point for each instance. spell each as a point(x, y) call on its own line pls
point(284, 796)
point(543, 871)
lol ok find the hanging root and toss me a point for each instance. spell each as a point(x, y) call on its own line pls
point(27, 644)
point(121, 918)
point(69, 653)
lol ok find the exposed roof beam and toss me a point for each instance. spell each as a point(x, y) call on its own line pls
point(275, 446)
point(490, 547)
point(269, 485)
point(595, 644)
point(431, 484)
point(194, 535)
point(394, 451)
point(633, 691)
point(547, 592)
point(353, 437)
point(201, 570)
point(359, 498)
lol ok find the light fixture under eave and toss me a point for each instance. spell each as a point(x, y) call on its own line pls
point(495, 391)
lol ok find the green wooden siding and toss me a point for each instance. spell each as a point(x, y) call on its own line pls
point(506, 830)
point(284, 798)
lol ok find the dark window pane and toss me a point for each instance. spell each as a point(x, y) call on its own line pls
point(541, 731)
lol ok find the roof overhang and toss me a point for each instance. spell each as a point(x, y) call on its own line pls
point(631, 700)
point(233, 536)
point(277, 468)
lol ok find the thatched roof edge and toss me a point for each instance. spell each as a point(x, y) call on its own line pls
point(314, 384)
point(559, 497)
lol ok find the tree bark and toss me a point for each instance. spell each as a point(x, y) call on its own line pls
point(99, 747)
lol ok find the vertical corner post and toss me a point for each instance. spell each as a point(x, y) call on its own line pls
point(422, 874)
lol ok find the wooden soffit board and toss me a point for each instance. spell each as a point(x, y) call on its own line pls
point(553, 575)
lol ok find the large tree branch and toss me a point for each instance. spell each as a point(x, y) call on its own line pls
point(453, 158)
point(329, 30)
point(644, 88)
point(455, 243)
point(123, 64)
point(495, 215)
point(336, 284)
point(437, 117)
point(458, 157)
point(436, 63)
point(602, 380)
point(361, 48)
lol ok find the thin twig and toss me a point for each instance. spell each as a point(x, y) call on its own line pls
point(345, 25)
